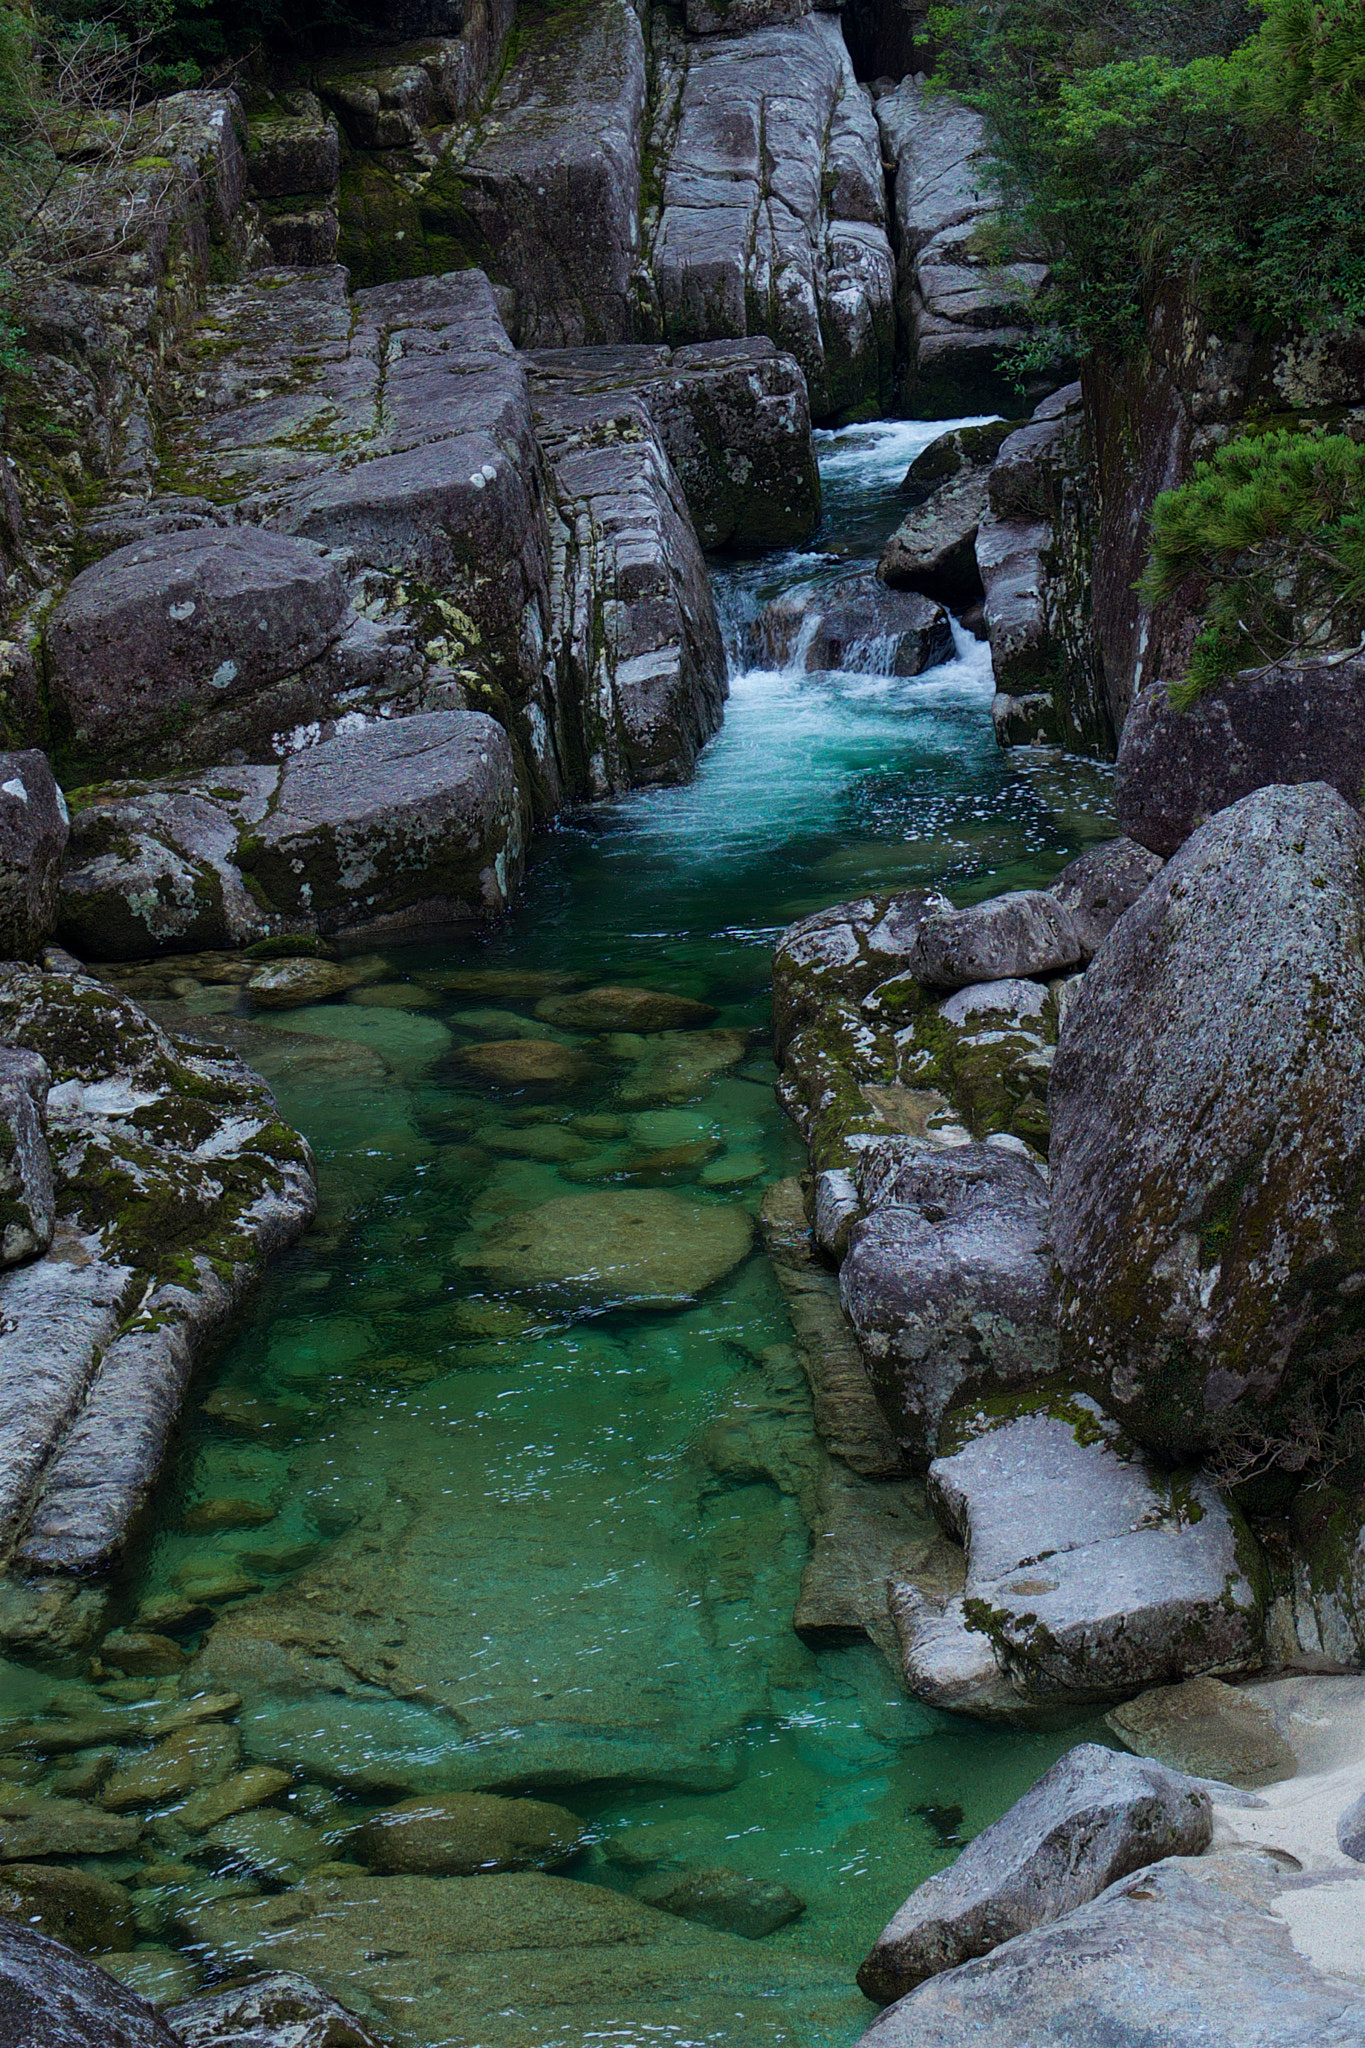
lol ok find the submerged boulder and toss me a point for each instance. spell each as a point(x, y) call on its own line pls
point(468, 1832)
point(724, 1899)
point(1208, 1117)
point(1093, 1818)
point(650, 1247)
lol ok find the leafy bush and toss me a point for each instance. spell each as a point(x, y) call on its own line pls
point(1143, 139)
point(1273, 527)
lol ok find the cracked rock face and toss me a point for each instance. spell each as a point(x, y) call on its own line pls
point(1208, 1118)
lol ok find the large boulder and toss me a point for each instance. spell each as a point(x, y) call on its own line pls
point(51, 1997)
point(857, 623)
point(1097, 887)
point(1090, 1820)
point(33, 833)
point(156, 630)
point(1229, 1950)
point(844, 952)
point(933, 550)
point(1208, 1118)
point(947, 1283)
point(1024, 932)
point(1289, 724)
point(1089, 1574)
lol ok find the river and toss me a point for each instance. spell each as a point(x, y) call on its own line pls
point(573, 1567)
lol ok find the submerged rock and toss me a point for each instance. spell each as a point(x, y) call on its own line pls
point(650, 1248)
point(724, 1899)
point(86, 1912)
point(35, 1824)
point(461, 1835)
point(528, 1062)
point(1208, 1115)
point(1090, 1820)
point(625, 1009)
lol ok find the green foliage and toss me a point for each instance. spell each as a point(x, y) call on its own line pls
point(1140, 140)
point(1272, 529)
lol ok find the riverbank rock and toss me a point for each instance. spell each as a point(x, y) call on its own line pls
point(1208, 1101)
point(1291, 724)
point(1090, 1820)
point(405, 823)
point(933, 550)
point(1229, 1950)
point(947, 1283)
point(1095, 889)
point(28, 1202)
point(1089, 1573)
point(857, 624)
point(734, 420)
point(174, 1180)
point(1208, 1729)
point(543, 192)
point(963, 311)
point(773, 215)
point(650, 1248)
point(1024, 932)
point(634, 633)
point(52, 1997)
point(844, 953)
point(458, 1836)
point(33, 834)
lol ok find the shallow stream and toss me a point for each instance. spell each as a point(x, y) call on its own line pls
point(561, 1568)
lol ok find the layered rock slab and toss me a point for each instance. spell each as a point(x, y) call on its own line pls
point(1089, 1574)
point(1089, 1821)
point(1208, 1129)
point(772, 212)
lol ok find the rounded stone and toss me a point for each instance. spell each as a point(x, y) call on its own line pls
point(466, 1834)
point(86, 1913)
point(625, 1009)
point(227, 1513)
point(139, 1653)
point(646, 1246)
point(290, 984)
point(528, 1062)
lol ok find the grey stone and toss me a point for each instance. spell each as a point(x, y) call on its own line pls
point(734, 420)
point(844, 951)
point(52, 1997)
point(1209, 1087)
point(544, 194)
point(1009, 1000)
point(954, 455)
point(858, 623)
point(33, 834)
point(947, 1283)
point(1097, 887)
point(772, 215)
point(962, 311)
point(1206, 1729)
point(933, 550)
point(1351, 1830)
point(28, 1202)
point(294, 146)
point(184, 620)
point(1092, 1574)
point(838, 1206)
point(1197, 1953)
point(279, 2010)
point(724, 1899)
point(634, 632)
point(1092, 1819)
point(739, 17)
point(1291, 724)
point(1025, 932)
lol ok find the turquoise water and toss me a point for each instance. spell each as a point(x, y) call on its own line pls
point(551, 1540)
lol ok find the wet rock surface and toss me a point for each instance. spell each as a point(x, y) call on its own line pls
point(1090, 1820)
point(1205, 1094)
point(280, 2009)
point(458, 1837)
point(652, 1247)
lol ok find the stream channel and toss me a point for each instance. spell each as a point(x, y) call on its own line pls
point(525, 1538)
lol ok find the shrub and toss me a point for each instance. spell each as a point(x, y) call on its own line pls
point(1273, 526)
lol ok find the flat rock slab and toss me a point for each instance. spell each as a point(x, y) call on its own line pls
point(1089, 1573)
point(651, 1248)
point(1090, 1820)
point(1207, 1103)
point(1204, 1953)
point(1177, 769)
point(1208, 1729)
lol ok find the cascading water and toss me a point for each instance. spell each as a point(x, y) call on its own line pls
point(486, 1543)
